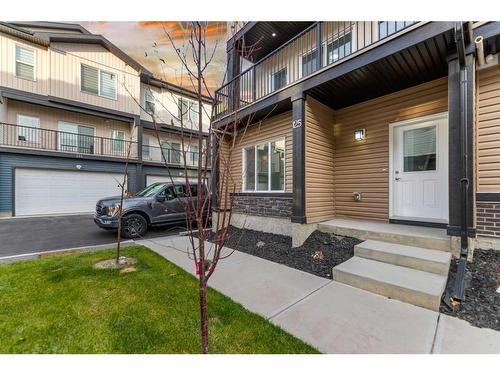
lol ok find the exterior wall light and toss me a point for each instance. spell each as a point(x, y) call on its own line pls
point(273, 35)
point(359, 134)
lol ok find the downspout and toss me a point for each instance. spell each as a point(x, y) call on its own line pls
point(459, 287)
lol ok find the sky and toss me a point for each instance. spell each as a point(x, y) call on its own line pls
point(148, 43)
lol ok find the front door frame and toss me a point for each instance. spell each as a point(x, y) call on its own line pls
point(437, 116)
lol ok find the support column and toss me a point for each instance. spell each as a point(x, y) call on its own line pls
point(457, 158)
point(299, 162)
point(214, 182)
point(140, 178)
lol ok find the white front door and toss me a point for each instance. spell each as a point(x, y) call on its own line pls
point(419, 172)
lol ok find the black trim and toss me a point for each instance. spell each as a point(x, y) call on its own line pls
point(299, 162)
point(149, 79)
point(419, 223)
point(260, 194)
point(488, 197)
point(65, 104)
point(170, 128)
point(50, 25)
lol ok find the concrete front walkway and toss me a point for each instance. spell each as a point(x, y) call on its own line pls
point(333, 317)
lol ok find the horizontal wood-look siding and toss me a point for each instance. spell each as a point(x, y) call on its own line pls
point(8, 66)
point(320, 182)
point(65, 72)
point(488, 130)
point(270, 129)
point(363, 166)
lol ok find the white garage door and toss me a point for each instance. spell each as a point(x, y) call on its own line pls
point(41, 191)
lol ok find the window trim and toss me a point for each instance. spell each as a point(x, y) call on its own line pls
point(244, 159)
point(146, 101)
point(188, 112)
point(271, 77)
point(59, 131)
point(34, 63)
point(99, 70)
point(337, 36)
point(37, 141)
point(124, 140)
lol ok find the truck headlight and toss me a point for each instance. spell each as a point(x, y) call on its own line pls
point(114, 209)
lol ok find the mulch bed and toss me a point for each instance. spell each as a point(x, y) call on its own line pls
point(318, 255)
point(481, 306)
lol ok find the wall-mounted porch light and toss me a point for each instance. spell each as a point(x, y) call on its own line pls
point(359, 134)
point(273, 35)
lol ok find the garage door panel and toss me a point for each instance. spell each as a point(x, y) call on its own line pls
point(41, 192)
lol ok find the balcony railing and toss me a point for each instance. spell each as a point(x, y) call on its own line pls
point(18, 136)
point(320, 45)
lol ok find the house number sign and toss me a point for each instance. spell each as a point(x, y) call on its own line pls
point(296, 123)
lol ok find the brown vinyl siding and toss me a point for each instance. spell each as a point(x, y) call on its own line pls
point(320, 184)
point(488, 130)
point(274, 128)
point(363, 166)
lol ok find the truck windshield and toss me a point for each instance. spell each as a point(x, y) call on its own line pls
point(150, 190)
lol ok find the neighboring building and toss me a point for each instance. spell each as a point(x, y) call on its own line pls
point(69, 110)
point(363, 120)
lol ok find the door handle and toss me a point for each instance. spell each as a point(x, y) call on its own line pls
point(398, 178)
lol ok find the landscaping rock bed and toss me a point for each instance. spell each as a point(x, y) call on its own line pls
point(481, 307)
point(318, 255)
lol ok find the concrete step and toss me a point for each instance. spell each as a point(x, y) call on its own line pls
point(418, 258)
point(419, 288)
point(425, 237)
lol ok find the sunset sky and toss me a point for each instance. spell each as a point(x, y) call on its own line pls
point(147, 42)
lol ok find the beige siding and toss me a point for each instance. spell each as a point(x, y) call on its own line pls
point(320, 182)
point(166, 108)
point(488, 130)
point(65, 75)
point(49, 118)
point(364, 166)
point(270, 129)
point(8, 77)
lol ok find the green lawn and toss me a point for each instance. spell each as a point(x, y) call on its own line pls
point(62, 305)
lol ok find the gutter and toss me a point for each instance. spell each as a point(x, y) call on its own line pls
point(459, 286)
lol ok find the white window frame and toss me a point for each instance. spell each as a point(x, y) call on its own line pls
point(324, 45)
point(271, 79)
point(34, 63)
point(146, 101)
point(99, 94)
point(148, 147)
point(188, 113)
point(113, 132)
point(75, 124)
point(244, 162)
point(32, 141)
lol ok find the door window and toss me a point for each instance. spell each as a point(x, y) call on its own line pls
point(419, 149)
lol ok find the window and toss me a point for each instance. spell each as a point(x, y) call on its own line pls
point(192, 156)
point(145, 147)
point(386, 28)
point(279, 79)
point(339, 47)
point(25, 62)
point(171, 152)
point(28, 130)
point(420, 149)
point(309, 63)
point(264, 167)
point(76, 138)
point(98, 82)
point(149, 102)
point(118, 141)
point(188, 111)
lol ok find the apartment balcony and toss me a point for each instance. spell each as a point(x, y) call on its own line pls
point(81, 145)
point(317, 48)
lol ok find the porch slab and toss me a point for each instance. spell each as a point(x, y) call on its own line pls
point(425, 237)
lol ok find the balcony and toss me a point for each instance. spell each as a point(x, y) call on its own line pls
point(25, 137)
point(321, 45)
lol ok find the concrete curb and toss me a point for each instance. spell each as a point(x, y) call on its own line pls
point(47, 253)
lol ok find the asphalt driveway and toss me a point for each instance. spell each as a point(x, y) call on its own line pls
point(31, 235)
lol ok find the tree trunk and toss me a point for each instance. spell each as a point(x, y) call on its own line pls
point(203, 317)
